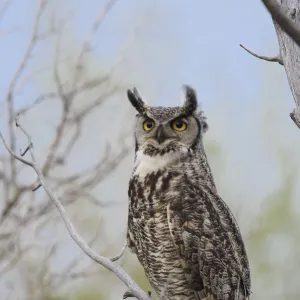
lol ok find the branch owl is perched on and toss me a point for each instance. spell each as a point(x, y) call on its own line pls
point(182, 232)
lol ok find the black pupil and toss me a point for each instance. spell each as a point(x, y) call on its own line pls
point(149, 124)
point(179, 124)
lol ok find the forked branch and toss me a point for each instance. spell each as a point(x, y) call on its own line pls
point(286, 19)
point(108, 263)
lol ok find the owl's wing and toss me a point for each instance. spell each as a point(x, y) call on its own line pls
point(210, 245)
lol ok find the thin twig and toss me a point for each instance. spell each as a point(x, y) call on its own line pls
point(14, 260)
point(294, 117)
point(283, 20)
point(25, 151)
point(66, 101)
point(3, 8)
point(15, 78)
point(99, 19)
point(11, 203)
point(37, 101)
point(130, 295)
point(120, 254)
point(36, 188)
point(86, 42)
point(267, 58)
point(104, 261)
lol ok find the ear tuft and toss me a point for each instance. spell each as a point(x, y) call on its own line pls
point(136, 100)
point(190, 103)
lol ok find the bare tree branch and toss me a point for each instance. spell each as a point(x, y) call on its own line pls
point(11, 203)
point(9, 99)
point(267, 58)
point(37, 101)
point(286, 18)
point(20, 210)
point(120, 254)
point(283, 20)
point(86, 43)
point(106, 262)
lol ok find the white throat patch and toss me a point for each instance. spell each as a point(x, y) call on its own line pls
point(146, 164)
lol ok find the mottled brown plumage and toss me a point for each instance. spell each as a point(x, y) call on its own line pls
point(182, 232)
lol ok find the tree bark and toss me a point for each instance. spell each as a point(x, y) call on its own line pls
point(289, 49)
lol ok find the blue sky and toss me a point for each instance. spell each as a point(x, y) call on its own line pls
point(175, 43)
point(194, 42)
point(204, 36)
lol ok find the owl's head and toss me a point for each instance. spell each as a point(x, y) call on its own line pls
point(161, 130)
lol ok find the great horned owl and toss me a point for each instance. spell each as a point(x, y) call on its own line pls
point(183, 233)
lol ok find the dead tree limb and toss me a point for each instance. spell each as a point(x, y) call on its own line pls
point(20, 213)
point(108, 263)
point(286, 18)
point(285, 15)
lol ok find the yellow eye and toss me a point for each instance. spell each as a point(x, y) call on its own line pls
point(148, 125)
point(179, 125)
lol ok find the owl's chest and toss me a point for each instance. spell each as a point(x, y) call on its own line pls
point(148, 196)
point(148, 229)
point(147, 221)
point(147, 207)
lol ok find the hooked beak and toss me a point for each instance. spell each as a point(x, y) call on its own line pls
point(160, 134)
